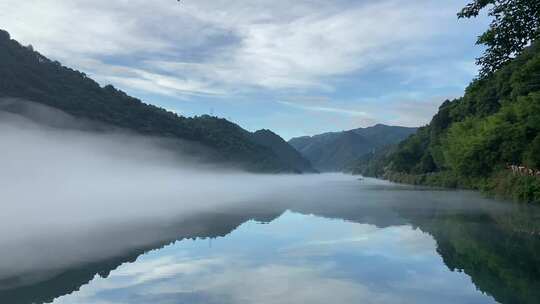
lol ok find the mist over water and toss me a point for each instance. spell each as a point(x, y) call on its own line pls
point(79, 199)
point(74, 190)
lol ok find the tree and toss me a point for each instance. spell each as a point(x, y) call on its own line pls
point(515, 25)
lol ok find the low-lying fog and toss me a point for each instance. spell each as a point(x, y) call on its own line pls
point(76, 192)
point(69, 195)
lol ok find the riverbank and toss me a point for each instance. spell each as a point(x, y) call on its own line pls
point(503, 184)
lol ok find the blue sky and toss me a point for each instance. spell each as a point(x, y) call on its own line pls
point(296, 67)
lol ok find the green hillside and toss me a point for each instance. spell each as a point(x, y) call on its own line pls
point(336, 151)
point(472, 140)
point(26, 74)
point(283, 150)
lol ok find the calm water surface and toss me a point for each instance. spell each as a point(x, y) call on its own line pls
point(356, 242)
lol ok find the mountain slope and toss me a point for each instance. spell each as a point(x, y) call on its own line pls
point(283, 150)
point(472, 140)
point(337, 150)
point(29, 75)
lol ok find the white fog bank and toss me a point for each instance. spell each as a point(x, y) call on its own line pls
point(62, 190)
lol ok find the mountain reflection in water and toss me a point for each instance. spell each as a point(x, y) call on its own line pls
point(369, 242)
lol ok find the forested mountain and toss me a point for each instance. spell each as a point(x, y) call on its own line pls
point(283, 150)
point(472, 140)
point(373, 163)
point(489, 139)
point(337, 150)
point(26, 74)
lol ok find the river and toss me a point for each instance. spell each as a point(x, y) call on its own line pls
point(358, 241)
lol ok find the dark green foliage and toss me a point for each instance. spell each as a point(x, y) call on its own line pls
point(372, 164)
point(532, 155)
point(410, 152)
point(27, 74)
point(283, 150)
point(515, 24)
point(478, 147)
point(471, 140)
point(519, 188)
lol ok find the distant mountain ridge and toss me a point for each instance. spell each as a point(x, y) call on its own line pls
point(335, 151)
point(28, 75)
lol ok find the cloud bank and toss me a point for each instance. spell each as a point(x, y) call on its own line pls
point(218, 47)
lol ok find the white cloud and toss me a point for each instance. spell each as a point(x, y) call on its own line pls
point(326, 109)
point(212, 47)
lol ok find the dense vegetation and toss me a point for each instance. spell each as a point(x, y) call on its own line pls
point(373, 163)
point(515, 24)
point(471, 140)
point(336, 151)
point(27, 74)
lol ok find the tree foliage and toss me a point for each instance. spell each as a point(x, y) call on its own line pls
point(514, 26)
point(472, 139)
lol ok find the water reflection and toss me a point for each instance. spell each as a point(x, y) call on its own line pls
point(368, 242)
point(324, 261)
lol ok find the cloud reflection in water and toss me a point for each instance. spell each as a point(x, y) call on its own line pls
point(323, 261)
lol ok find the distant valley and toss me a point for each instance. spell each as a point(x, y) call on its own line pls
point(336, 151)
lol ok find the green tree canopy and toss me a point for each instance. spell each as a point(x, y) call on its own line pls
point(515, 25)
